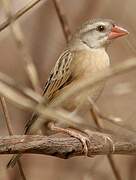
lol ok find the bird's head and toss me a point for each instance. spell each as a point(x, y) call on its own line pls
point(99, 33)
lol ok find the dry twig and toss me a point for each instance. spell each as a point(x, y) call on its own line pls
point(21, 45)
point(6, 114)
point(19, 13)
point(63, 19)
point(111, 161)
point(19, 87)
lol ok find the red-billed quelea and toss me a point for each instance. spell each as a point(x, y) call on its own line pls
point(84, 56)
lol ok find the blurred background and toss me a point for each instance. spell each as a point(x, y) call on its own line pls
point(45, 40)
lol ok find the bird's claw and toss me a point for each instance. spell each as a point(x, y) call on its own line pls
point(82, 138)
point(85, 142)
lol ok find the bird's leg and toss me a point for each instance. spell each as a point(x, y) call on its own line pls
point(97, 116)
point(83, 138)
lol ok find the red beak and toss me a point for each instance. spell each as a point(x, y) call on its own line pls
point(117, 31)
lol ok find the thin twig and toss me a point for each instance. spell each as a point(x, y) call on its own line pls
point(63, 146)
point(114, 167)
point(20, 88)
point(7, 117)
point(111, 161)
point(63, 19)
point(19, 13)
point(21, 169)
point(21, 45)
point(10, 130)
point(112, 120)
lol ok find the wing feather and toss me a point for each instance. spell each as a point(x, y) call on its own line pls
point(59, 75)
point(57, 78)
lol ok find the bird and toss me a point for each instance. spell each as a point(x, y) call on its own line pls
point(84, 56)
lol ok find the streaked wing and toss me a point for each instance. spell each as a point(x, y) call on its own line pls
point(57, 78)
point(59, 75)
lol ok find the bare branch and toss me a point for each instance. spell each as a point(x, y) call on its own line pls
point(65, 147)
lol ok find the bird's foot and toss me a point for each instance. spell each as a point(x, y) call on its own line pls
point(83, 138)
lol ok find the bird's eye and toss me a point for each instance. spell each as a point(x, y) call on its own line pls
point(100, 28)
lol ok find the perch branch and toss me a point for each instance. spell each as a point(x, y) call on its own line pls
point(62, 146)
